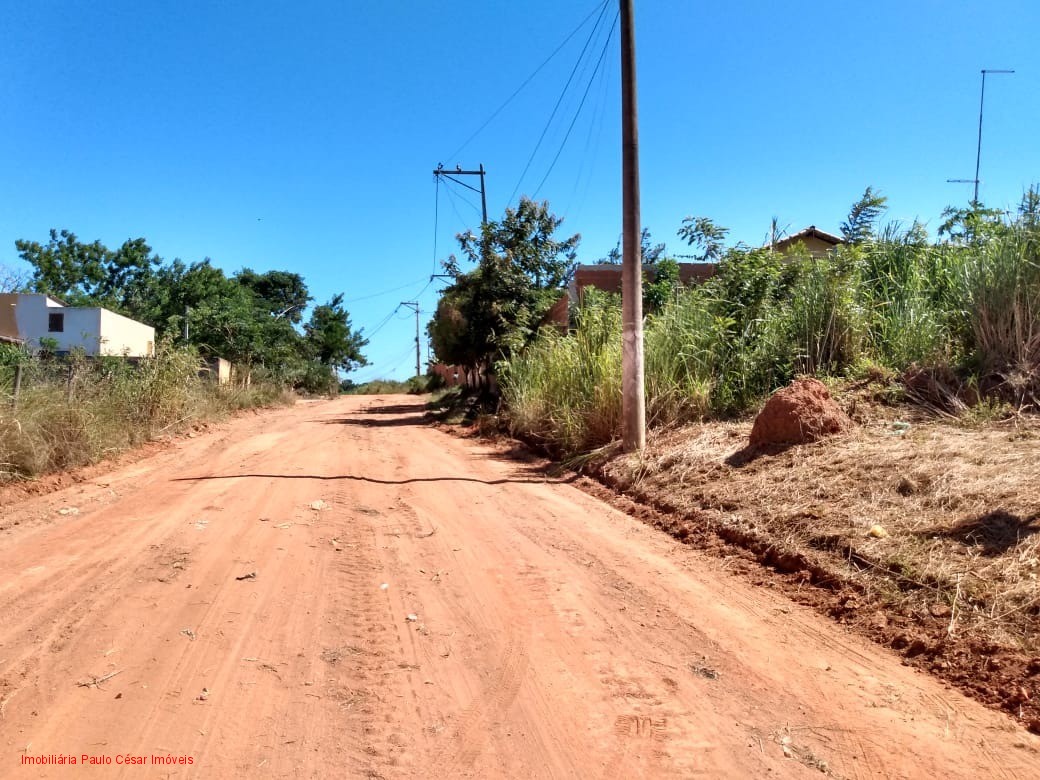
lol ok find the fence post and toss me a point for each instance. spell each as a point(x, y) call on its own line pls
point(69, 381)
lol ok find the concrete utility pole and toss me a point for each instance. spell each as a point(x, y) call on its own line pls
point(633, 404)
point(414, 305)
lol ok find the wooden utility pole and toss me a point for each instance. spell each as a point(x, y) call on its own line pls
point(414, 305)
point(448, 174)
point(633, 404)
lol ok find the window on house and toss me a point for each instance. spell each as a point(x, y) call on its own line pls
point(56, 322)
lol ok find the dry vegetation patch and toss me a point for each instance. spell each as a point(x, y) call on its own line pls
point(926, 535)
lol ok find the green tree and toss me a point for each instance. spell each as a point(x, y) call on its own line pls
point(861, 223)
point(704, 235)
point(972, 225)
point(331, 339)
point(660, 287)
point(224, 318)
point(455, 340)
point(524, 242)
point(282, 293)
point(90, 274)
point(649, 252)
point(1029, 208)
point(249, 318)
point(222, 315)
point(521, 269)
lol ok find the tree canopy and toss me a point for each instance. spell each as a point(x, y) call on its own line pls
point(521, 269)
point(89, 274)
point(704, 235)
point(250, 318)
point(861, 223)
point(331, 339)
point(649, 252)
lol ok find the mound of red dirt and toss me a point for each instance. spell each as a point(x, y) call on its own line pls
point(801, 412)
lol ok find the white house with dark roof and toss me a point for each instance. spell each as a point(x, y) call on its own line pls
point(29, 318)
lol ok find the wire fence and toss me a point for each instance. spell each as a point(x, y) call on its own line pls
point(17, 378)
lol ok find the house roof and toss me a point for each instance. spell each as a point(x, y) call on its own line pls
point(45, 296)
point(810, 232)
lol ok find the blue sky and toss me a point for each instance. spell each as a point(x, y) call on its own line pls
point(303, 135)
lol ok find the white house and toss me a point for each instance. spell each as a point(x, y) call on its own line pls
point(28, 318)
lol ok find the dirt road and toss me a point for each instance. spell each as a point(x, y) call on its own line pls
point(442, 612)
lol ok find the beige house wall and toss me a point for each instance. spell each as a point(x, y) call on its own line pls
point(217, 370)
point(8, 321)
point(818, 243)
point(816, 247)
point(79, 326)
point(96, 331)
point(121, 335)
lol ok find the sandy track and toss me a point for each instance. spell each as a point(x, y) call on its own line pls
point(552, 636)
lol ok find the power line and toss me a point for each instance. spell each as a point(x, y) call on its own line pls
point(581, 105)
point(440, 173)
point(400, 360)
point(592, 141)
point(451, 200)
point(527, 81)
point(381, 324)
point(373, 370)
point(566, 86)
point(384, 292)
point(397, 361)
point(388, 317)
point(414, 306)
point(424, 289)
point(464, 197)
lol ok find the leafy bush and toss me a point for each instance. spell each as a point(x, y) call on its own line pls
point(891, 301)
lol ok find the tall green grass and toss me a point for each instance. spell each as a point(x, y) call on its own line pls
point(1001, 291)
point(717, 350)
point(565, 390)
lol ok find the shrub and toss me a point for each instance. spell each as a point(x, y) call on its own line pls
point(970, 310)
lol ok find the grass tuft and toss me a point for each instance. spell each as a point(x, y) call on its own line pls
point(72, 412)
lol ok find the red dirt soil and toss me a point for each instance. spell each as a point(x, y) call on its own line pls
point(801, 412)
point(443, 612)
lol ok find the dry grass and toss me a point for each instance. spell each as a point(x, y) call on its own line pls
point(113, 406)
point(959, 508)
